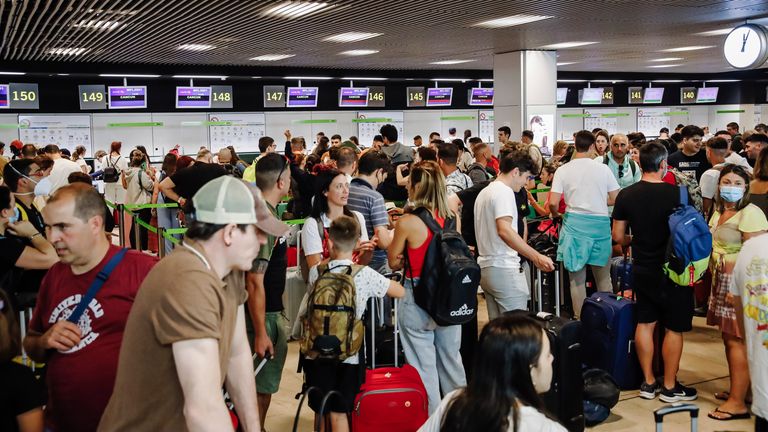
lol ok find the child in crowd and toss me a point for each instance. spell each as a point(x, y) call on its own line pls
point(344, 377)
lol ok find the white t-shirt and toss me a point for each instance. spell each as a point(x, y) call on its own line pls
point(312, 241)
point(368, 283)
point(530, 419)
point(585, 185)
point(708, 182)
point(750, 282)
point(62, 168)
point(737, 159)
point(495, 201)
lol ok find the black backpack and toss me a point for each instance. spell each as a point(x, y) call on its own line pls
point(111, 174)
point(447, 289)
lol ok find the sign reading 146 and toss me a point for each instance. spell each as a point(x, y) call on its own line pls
point(746, 47)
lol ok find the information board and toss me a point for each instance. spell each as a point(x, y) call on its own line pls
point(687, 95)
point(487, 131)
point(240, 130)
point(635, 95)
point(369, 123)
point(221, 97)
point(439, 96)
point(92, 97)
point(4, 96)
point(301, 97)
point(653, 95)
point(562, 94)
point(415, 97)
point(127, 97)
point(193, 97)
point(651, 120)
point(274, 96)
point(24, 96)
point(376, 97)
point(353, 97)
point(481, 97)
point(591, 96)
point(66, 131)
point(601, 118)
point(707, 95)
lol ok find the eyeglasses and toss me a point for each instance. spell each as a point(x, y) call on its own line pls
point(621, 171)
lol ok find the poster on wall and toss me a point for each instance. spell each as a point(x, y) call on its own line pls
point(600, 118)
point(543, 128)
point(67, 132)
point(487, 130)
point(369, 123)
point(241, 131)
point(651, 120)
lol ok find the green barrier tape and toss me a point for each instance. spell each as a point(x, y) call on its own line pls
point(110, 204)
point(539, 190)
point(146, 206)
point(294, 222)
point(145, 225)
point(729, 111)
point(173, 231)
point(172, 239)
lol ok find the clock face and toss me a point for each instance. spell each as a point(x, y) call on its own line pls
point(746, 47)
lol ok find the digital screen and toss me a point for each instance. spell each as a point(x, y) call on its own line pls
point(687, 95)
point(376, 97)
point(591, 96)
point(481, 97)
point(415, 97)
point(3, 95)
point(193, 97)
point(302, 97)
point(274, 96)
point(706, 94)
point(353, 97)
point(635, 95)
point(562, 94)
point(127, 97)
point(439, 96)
point(653, 95)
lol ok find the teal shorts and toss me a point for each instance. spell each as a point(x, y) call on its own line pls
point(268, 379)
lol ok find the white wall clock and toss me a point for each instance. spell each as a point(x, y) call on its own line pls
point(746, 46)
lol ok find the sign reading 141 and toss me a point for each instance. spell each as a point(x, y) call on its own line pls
point(746, 47)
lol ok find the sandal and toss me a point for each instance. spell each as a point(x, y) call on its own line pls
point(724, 395)
point(731, 416)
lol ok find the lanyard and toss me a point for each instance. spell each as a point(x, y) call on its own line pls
point(199, 255)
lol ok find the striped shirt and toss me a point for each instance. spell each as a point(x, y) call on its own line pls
point(370, 203)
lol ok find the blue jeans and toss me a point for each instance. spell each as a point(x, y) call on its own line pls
point(432, 349)
point(166, 219)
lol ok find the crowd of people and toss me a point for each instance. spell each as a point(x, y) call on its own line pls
point(201, 312)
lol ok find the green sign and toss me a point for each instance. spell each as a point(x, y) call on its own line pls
point(458, 118)
point(319, 121)
point(729, 111)
point(136, 124)
point(372, 120)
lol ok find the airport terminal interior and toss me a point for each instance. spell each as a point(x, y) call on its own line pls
point(410, 215)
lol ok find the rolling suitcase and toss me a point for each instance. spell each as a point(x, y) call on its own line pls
point(546, 287)
point(380, 338)
point(621, 274)
point(660, 413)
point(392, 399)
point(609, 328)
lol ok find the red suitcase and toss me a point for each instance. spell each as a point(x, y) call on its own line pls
point(392, 399)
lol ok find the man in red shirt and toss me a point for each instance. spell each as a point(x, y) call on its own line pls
point(82, 357)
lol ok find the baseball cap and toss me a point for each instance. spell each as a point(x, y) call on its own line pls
point(17, 144)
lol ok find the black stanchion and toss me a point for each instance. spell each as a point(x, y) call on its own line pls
point(121, 222)
point(161, 242)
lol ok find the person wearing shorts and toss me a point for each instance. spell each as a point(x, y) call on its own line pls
point(644, 208)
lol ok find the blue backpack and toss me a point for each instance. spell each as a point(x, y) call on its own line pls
point(690, 243)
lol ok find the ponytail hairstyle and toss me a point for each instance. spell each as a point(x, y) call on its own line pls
point(428, 188)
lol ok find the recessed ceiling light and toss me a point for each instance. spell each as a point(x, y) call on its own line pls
point(450, 62)
point(607, 81)
point(195, 47)
point(511, 21)
point(571, 80)
point(688, 48)
point(363, 79)
point(486, 80)
point(722, 80)
point(221, 77)
point(351, 37)
point(67, 51)
point(450, 79)
point(665, 59)
point(359, 52)
point(565, 63)
point(664, 66)
point(667, 81)
point(295, 9)
point(564, 45)
point(97, 24)
point(272, 57)
point(308, 78)
point(719, 32)
point(62, 74)
point(12, 73)
point(128, 76)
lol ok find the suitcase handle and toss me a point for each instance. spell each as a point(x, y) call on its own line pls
point(660, 413)
point(372, 307)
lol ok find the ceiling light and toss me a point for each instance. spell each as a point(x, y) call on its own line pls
point(486, 80)
point(607, 81)
point(12, 73)
point(351, 37)
point(308, 78)
point(565, 63)
point(359, 52)
point(667, 81)
point(363, 79)
point(113, 11)
point(664, 66)
point(221, 77)
point(272, 57)
point(195, 47)
point(62, 74)
point(722, 80)
point(255, 77)
point(451, 79)
point(688, 48)
point(450, 62)
point(97, 24)
point(565, 45)
point(128, 76)
point(295, 9)
point(511, 21)
point(666, 59)
point(67, 51)
point(720, 32)
point(571, 80)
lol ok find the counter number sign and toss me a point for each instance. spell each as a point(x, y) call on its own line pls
point(635, 95)
point(92, 97)
point(416, 97)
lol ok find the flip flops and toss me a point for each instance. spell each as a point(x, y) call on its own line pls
point(724, 395)
point(731, 416)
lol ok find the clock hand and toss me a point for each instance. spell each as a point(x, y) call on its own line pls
point(744, 38)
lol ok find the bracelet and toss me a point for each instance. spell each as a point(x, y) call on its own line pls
point(35, 235)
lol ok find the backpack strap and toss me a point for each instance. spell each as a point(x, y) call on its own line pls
point(633, 167)
point(605, 159)
point(683, 195)
point(96, 285)
point(426, 217)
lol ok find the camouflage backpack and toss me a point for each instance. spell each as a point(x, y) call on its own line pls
point(694, 190)
point(331, 329)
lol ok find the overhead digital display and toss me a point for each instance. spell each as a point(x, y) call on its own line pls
point(4, 96)
point(562, 94)
point(635, 95)
point(354, 97)
point(415, 97)
point(591, 96)
point(376, 96)
point(302, 97)
point(439, 96)
point(687, 95)
point(127, 97)
point(481, 97)
point(653, 95)
point(193, 97)
point(274, 96)
point(706, 95)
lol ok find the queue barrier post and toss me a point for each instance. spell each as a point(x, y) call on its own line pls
point(136, 233)
point(121, 222)
point(161, 242)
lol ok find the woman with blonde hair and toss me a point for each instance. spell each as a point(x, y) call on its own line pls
point(79, 156)
point(432, 349)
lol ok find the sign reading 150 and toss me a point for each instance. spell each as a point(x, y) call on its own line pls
point(23, 95)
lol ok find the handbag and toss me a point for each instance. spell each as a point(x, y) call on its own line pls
point(96, 285)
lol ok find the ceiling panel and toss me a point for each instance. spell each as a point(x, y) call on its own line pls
point(415, 33)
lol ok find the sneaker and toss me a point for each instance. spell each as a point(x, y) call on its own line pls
point(677, 394)
point(648, 391)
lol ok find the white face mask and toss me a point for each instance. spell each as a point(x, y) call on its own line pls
point(43, 187)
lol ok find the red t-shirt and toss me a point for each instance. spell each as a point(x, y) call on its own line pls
point(80, 380)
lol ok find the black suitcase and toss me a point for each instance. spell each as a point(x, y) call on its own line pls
point(379, 335)
point(565, 398)
point(546, 287)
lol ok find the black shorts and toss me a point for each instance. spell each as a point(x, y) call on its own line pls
point(660, 299)
point(325, 375)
